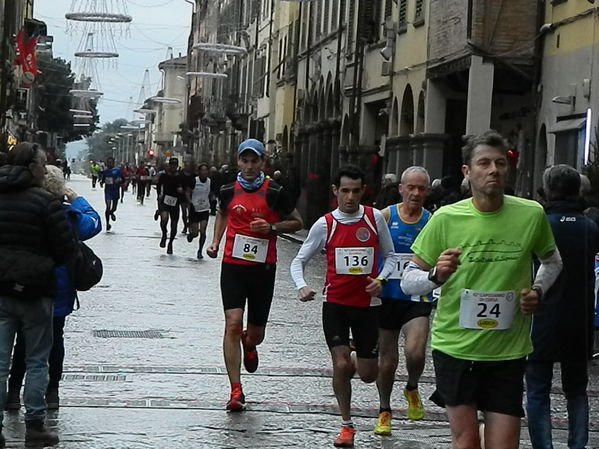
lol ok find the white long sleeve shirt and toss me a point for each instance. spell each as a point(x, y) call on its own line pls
point(317, 237)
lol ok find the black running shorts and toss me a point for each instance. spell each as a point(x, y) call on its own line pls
point(495, 386)
point(394, 313)
point(337, 320)
point(197, 217)
point(254, 283)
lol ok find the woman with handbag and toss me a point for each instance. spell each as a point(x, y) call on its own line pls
point(86, 221)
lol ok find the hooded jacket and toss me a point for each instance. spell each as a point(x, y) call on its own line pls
point(34, 235)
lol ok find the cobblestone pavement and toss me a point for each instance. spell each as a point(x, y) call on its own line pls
point(144, 365)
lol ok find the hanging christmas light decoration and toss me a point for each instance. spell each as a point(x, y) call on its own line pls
point(225, 49)
point(207, 75)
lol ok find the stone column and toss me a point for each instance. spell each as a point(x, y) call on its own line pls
point(433, 148)
point(416, 143)
point(480, 95)
point(391, 155)
point(404, 154)
point(435, 108)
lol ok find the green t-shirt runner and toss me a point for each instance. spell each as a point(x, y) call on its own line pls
point(495, 264)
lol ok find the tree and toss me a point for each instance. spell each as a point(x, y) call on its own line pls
point(55, 82)
point(99, 145)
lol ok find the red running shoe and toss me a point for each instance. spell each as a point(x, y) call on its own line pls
point(250, 355)
point(237, 401)
point(346, 437)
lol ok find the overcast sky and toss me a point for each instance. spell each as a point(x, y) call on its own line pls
point(157, 25)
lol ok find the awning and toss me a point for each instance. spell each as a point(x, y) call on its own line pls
point(568, 125)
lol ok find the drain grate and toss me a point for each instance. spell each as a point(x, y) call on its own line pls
point(127, 334)
point(96, 377)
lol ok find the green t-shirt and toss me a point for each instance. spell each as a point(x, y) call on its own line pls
point(497, 249)
point(95, 169)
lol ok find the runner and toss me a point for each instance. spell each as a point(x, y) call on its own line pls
point(111, 178)
point(252, 210)
point(200, 207)
point(480, 249)
point(142, 176)
point(187, 182)
point(169, 190)
point(401, 312)
point(353, 236)
point(94, 171)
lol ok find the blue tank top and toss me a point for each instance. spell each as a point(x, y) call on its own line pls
point(403, 235)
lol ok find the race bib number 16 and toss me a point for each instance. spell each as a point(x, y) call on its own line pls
point(354, 261)
point(487, 310)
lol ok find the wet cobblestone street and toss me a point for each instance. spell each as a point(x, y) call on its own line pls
point(155, 377)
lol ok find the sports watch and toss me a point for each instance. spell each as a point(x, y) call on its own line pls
point(273, 227)
point(432, 276)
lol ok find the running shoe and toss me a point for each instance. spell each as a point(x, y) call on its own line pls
point(383, 424)
point(415, 407)
point(169, 249)
point(156, 214)
point(108, 226)
point(237, 400)
point(163, 241)
point(250, 355)
point(200, 257)
point(112, 216)
point(346, 437)
point(189, 238)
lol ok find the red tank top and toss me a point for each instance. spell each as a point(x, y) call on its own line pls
point(242, 246)
point(352, 255)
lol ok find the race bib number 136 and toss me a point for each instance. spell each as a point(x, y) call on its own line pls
point(354, 261)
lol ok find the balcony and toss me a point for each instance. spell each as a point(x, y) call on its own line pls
point(238, 110)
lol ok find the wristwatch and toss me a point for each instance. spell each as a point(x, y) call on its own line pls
point(383, 281)
point(432, 276)
point(273, 227)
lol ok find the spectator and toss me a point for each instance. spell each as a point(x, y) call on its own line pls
point(81, 215)
point(562, 330)
point(35, 238)
point(389, 193)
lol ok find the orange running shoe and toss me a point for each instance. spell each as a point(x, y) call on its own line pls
point(237, 401)
point(346, 437)
point(250, 355)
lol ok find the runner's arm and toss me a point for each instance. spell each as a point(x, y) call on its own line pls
point(386, 247)
point(291, 223)
point(551, 266)
point(415, 278)
point(314, 243)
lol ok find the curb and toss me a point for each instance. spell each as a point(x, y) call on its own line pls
point(291, 238)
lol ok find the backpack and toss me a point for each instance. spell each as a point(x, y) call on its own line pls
point(87, 268)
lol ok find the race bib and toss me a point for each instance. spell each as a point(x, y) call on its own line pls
point(201, 205)
point(401, 265)
point(108, 181)
point(354, 261)
point(487, 310)
point(145, 178)
point(250, 248)
point(170, 200)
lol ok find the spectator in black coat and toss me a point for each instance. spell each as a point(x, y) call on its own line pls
point(34, 239)
point(562, 329)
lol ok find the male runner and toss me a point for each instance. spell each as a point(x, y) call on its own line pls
point(169, 190)
point(353, 237)
point(253, 210)
point(187, 182)
point(111, 179)
point(401, 312)
point(200, 207)
point(94, 170)
point(480, 249)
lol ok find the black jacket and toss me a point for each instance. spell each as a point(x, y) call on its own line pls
point(34, 235)
point(563, 326)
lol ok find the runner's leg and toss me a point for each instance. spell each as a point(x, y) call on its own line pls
point(389, 358)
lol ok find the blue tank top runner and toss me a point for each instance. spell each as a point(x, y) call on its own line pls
point(403, 235)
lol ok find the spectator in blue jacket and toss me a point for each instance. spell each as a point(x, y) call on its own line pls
point(80, 216)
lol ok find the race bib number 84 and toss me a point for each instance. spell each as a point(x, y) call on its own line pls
point(487, 310)
point(354, 261)
point(250, 248)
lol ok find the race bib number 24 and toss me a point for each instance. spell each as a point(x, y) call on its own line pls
point(487, 310)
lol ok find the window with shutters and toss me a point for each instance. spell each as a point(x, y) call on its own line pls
point(351, 27)
point(335, 15)
point(403, 16)
point(318, 31)
point(325, 23)
point(419, 13)
point(388, 8)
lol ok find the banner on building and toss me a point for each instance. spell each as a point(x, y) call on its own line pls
point(26, 57)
